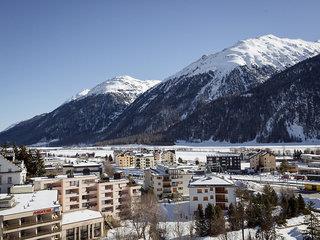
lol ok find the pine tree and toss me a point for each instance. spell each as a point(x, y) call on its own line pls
point(218, 221)
point(292, 207)
point(200, 223)
point(209, 214)
point(284, 166)
point(269, 195)
point(233, 218)
point(267, 223)
point(39, 164)
point(301, 204)
point(313, 225)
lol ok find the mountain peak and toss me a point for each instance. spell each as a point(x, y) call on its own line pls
point(118, 84)
point(266, 50)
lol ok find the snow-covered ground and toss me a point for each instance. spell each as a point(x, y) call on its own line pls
point(293, 230)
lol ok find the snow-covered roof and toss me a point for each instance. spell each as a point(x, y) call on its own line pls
point(80, 216)
point(26, 202)
point(210, 181)
point(219, 154)
point(86, 164)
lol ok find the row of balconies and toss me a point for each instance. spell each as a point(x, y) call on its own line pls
point(29, 221)
point(31, 233)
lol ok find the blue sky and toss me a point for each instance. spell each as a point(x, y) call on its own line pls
point(50, 50)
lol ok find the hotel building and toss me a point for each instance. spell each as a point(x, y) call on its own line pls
point(32, 215)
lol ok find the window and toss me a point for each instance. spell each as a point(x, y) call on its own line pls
point(195, 199)
point(205, 198)
point(206, 190)
point(9, 180)
point(0, 180)
point(211, 189)
point(199, 190)
point(74, 183)
point(211, 196)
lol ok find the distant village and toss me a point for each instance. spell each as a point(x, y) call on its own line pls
point(132, 192)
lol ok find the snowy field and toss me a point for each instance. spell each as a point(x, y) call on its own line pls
point(189, 151)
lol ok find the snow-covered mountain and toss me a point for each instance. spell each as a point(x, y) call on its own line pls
point(283, 109)
point(234, 70)
point(82, 118)
point(267, 52)
point(276, 52)
point(126, 85)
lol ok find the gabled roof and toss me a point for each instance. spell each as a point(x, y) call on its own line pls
point(13, 166)
point(210, 181)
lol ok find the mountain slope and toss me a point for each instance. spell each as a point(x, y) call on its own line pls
point(283, 109)
point(81, 118)
point(234, 70)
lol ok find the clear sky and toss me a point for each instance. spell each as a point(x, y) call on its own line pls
point(52, 49)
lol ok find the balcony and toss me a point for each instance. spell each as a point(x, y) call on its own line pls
point(48, 231)
point(221, 199)
point(8, 227)
point(221, 191)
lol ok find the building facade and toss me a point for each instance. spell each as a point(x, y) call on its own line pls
point(168, 157)
point(263, 162)
point(224, 162)
point(11, 173)
point(213, 190)
point(168, 181)
point(89, 192)
point(83, 224)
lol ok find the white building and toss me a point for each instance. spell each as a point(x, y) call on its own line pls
point(11, 173)
point(211, 189)
point(168, 181)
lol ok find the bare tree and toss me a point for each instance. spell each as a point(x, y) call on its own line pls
point(145, 214)
point(191, 229)
point(178, 229)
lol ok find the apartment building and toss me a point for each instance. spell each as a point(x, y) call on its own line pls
point(143, 161)
point(32, 215)
point(168, 181)
point(263, 162)
point(213, 190)
point(135, 160)
point(125, 159)
point(222, 162)
point(168, 157)
point(89, 192)
point(11, 173)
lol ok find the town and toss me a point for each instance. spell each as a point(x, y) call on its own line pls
point(162, 193)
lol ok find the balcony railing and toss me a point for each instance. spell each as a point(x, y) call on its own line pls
point(30, 223)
